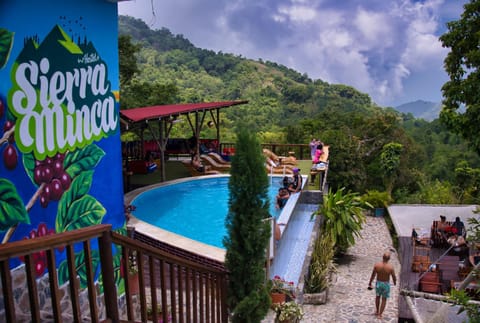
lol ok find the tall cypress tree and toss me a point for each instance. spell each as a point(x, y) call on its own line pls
point(248, 233)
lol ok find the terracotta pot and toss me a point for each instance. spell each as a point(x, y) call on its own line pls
point(133, 284)
point(278, 298)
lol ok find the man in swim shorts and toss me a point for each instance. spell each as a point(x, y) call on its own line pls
point(383, 271)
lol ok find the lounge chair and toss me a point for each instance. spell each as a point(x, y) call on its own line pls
point(195, 172)
point(282, 169)
point(218, 158)
point(280, 160)
point(207, 160)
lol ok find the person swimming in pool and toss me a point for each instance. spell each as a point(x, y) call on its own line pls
point(282, 198)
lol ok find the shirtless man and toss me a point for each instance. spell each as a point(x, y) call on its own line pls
point(383, 270)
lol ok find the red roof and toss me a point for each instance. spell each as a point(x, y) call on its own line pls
point(158, 111)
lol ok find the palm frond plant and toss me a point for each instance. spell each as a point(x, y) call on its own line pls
point(343, 218)
point(321, 265)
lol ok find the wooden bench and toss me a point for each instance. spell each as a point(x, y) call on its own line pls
point(430, 282)
point(420, 263)
point(449, 265)
point(420, 257)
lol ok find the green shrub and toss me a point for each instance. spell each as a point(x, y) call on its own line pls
point(343, 218)
point(321, 265)
point(376, 199)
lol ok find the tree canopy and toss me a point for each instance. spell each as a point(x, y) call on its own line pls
point(462, 65)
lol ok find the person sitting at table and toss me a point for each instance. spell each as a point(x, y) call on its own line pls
point(459, 227)
point(442, 227)
point(459, 246)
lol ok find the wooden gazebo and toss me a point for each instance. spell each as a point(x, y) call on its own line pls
point(166, 115)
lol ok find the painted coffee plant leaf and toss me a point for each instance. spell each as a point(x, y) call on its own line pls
point(82, 159)
point(63, 274)
point(12, 209)
point(29, 165)
point(6, 43)
point(77, 209)
point(84, 212)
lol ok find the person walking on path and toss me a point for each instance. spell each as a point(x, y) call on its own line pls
point(383, 270)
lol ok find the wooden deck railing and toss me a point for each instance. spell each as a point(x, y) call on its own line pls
point(189, 291)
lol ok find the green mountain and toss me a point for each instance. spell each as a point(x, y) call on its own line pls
point(421, 109)
point(278, 96)
point(289, 107)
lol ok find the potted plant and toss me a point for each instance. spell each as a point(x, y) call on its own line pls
point(343, 218)
point(159, 312)
point(288, 312)
point(376, 200)
point(318, 277)
point(133, 273)
point(281, 290)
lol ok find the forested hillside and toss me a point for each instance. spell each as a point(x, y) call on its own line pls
point(288, 107)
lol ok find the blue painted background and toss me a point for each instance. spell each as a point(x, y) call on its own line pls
point(95, 20)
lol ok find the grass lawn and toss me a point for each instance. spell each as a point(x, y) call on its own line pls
point(174, 169)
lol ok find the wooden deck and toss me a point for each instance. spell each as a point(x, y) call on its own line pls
point(447, 264)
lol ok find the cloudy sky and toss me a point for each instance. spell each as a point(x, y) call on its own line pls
point(386, 48)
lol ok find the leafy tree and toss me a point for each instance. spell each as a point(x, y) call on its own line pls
point(390, 162)
point(467, 180)
point(434, 192)
point(248, 232)
point(142, 94)
point(127, 59)
point(462, 65)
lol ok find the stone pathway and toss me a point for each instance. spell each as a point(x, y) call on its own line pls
point(349, 300)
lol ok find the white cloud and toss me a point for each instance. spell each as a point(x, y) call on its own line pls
point(374, 27)
point(378, 46)
point(298, 14)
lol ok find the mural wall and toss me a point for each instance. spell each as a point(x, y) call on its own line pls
point(60, 158)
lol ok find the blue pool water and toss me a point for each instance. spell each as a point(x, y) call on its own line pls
point(195, 209)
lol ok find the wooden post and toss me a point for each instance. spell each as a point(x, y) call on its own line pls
point(109, 288)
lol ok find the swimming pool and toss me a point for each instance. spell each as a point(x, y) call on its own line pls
point(195, 208)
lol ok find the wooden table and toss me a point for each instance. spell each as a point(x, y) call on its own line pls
point(449, 267)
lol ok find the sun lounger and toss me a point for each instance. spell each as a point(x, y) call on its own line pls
point(280, 160)
point(284, 169)
point(219, 159)
point(195, 172)
point(207, 160)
